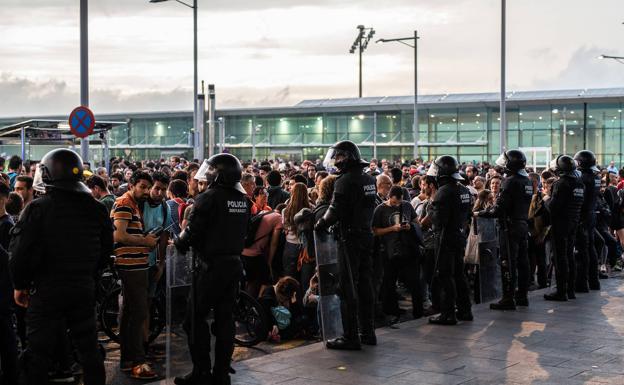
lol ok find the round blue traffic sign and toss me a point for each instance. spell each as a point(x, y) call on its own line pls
point(81, 122)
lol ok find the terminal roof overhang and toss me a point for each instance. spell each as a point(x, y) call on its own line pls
point(397, 103)
point(49, 130)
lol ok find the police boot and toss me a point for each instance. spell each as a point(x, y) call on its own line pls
point(194, 378)
point(442, 319)
point(344, 343)
point(464, 315)
point(368, 337)
point(556, 296)
point(581, 288)
point(506, 303)
point(521, 299)
point(571, 294)
point(221, 379)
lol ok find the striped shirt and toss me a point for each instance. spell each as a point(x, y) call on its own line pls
point(129, 257)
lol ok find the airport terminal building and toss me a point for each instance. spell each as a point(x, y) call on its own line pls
point(463, 125)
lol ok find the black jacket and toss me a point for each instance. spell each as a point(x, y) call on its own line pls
point(513, 200)
point(59, 242)
point(276, 195)
point(218, 223)
point(353, 202)
point(565, 203)
point(451, 212)
point(591, 181)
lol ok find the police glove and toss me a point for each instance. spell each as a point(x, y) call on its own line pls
point(321, 225)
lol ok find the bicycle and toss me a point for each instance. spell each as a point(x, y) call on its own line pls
point(250, 320)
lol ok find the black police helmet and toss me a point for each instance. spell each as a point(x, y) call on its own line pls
point(514, 162)
point(351, 152)
point(563, 165)
point(60, 169)
point(586, 160)
point(225, 169)
point(445, 166)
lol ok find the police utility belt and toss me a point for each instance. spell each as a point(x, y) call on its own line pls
point(207, 263)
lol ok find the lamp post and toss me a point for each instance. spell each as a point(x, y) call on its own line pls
point(84, 70)
point(194, 8)
point(503, 105)
point(360, 43)
point(619, 59)
point(403, 40)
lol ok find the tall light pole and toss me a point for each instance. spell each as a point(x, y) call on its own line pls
point(619, 59)
point(503, 107)
point(360, 43)
point(196, 124)
point(84, 69)
point(403, 40)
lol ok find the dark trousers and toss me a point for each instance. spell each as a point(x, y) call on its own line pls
point(408, 269)
point(354, 255)
point(453, 287)
point(565, 265)
point(45, 318)
point(513, 251)
point(215, 290)
point(612, 246)
point(8, 351)
point(134, 313)
point(289, 260)
point(587, 258)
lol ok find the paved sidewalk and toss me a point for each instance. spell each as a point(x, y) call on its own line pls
point(575, 342)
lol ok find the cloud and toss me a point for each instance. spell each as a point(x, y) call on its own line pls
point(585, 70)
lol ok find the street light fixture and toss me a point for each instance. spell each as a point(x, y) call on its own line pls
point(403, 40)
point(619, 59)
point(360, 43)
point(198, 147)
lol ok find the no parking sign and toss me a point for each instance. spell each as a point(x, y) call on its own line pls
point(81, 122)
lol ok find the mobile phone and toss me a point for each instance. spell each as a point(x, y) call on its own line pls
point(156, 231)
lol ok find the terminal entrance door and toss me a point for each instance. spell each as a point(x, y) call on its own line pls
point(538, 158)
point(288, 155)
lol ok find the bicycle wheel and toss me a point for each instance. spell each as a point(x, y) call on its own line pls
point(249, 320)
point(110, 313)
point(110, 316)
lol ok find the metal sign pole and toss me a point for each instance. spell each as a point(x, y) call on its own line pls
point(84, 70)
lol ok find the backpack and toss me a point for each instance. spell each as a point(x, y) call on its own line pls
point(252, 228)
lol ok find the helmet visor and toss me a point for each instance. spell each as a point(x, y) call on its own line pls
point(330, 160)
point(502, 160)
point(433, 170)
point(38, 184)
point(203, 170)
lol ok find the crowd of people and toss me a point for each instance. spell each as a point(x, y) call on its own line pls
point(402, 229)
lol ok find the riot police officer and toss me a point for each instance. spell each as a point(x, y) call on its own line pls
point(564, 206)
point(57, 246)
point(587, 258)
point(512, 209)
point(216, 231)
point(352, 209)
point(450, 214)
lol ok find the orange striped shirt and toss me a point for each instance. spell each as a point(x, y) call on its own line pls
point(129, 257)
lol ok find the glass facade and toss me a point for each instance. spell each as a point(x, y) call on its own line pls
point(469, 131)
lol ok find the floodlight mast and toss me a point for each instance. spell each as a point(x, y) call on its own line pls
point(361, 43)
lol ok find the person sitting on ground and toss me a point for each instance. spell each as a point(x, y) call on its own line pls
point(282, 309)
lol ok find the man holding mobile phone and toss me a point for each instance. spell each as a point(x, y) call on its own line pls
point(132, 247)
point(392, 223)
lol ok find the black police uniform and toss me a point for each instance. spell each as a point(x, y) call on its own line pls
point(58, 244)
point(512, 210)
point(352, 205)
point(587, 258)
point(217, 229)
point(450, 213)
point(565, 212)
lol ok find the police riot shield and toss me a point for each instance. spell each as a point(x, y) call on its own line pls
point(179, 273)
point(329, 303)
point(490, 287)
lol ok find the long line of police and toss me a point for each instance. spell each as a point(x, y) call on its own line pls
point(44, 257)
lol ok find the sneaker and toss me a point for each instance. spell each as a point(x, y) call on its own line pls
point(61, 377)
point(143, 372)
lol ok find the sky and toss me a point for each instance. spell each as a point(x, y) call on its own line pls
point(278, 52)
